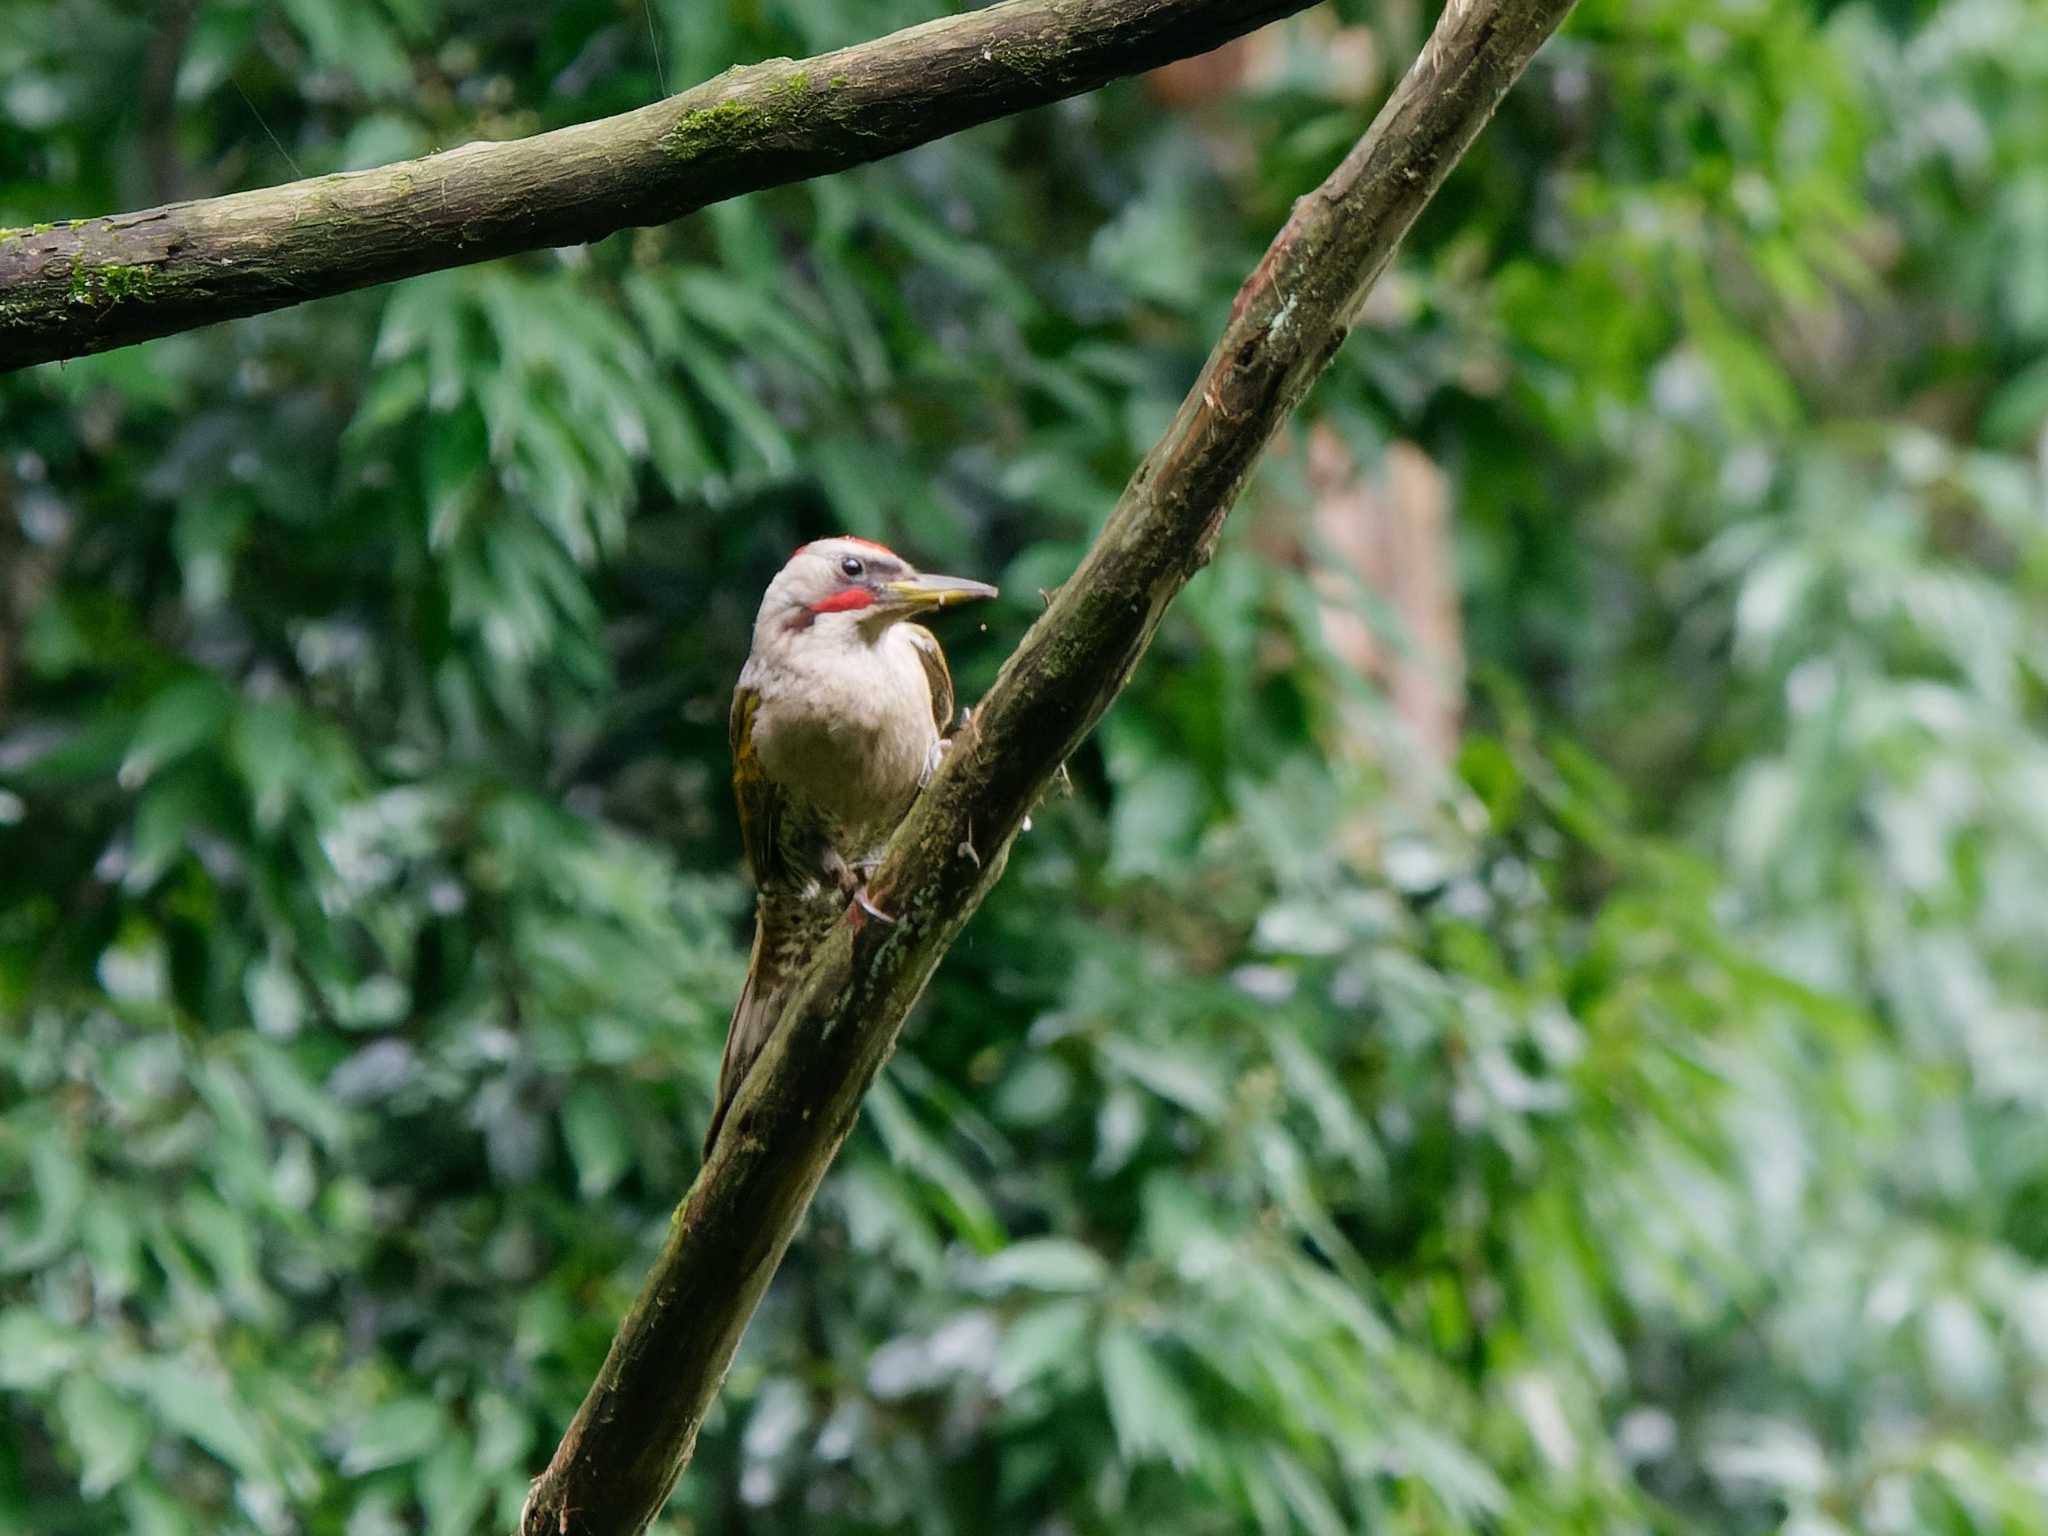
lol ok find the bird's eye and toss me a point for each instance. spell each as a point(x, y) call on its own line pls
point(851, 566)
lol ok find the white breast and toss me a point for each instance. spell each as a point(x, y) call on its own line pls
point(845, 725)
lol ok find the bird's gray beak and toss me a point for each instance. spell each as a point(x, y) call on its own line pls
point(917, 592)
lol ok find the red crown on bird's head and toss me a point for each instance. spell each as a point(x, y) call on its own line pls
point(848, 538)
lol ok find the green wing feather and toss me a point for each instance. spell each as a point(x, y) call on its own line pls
point(936, 674)
point(760, 806)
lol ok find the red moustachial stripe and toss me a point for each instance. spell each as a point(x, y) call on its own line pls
point(845, 602)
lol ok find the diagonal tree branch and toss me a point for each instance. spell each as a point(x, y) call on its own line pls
point(86, 285)
point(636, 1429)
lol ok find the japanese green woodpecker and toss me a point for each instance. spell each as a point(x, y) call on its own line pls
point(841, 715)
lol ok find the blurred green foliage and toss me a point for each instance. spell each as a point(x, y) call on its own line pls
point(1639, 1127)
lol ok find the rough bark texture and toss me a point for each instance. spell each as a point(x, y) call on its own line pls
point(85, 285)
point(636, 1429)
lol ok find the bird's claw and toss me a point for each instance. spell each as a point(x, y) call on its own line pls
point(860, 899)
point(856, 887)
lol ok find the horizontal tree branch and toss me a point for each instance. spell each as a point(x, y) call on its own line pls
point(86, 285)
point(638, 1426)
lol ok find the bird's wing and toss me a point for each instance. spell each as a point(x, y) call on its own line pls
point(936, 674)
point(759, 803)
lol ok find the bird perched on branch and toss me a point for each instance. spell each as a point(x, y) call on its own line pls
point(841, 716)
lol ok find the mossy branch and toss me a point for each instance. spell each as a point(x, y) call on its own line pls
point(86, 285)
point(637, 1427)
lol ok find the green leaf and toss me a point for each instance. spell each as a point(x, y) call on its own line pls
point(353, 39)
point(60, 1190)
point(451, 471)
point(1180, 1076)
point(727, 395)
point(504, 1433)
point(1049, 1338)
point(1152, 1417)
point(106, 1429)
point(1158, 812)
point(1305, 1496)
point(453, 1487)
point(35, 1350)
point(149, 1510)
point(178, 720)
point(395, 1432)
point(173, 806)
point(955, 1192)
point(593, 1127)
point(1044, 1264)
point(194, 1399)
point(1489, 769)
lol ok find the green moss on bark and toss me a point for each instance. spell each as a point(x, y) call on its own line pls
point(739, 124)
point(24, 231)
point(707, 129)
point(108, 283)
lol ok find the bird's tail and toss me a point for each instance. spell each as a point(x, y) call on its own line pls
point(753, 1020)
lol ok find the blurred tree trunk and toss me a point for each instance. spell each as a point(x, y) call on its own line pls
point(1385, 537)
point(1377, 543)
point(1351, 53)
point(11, 542)
point(157, 99)
point(30, 556)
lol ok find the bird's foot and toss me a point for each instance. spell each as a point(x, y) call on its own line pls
point(934, 755)
point(861, 900)
point(853, 885)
